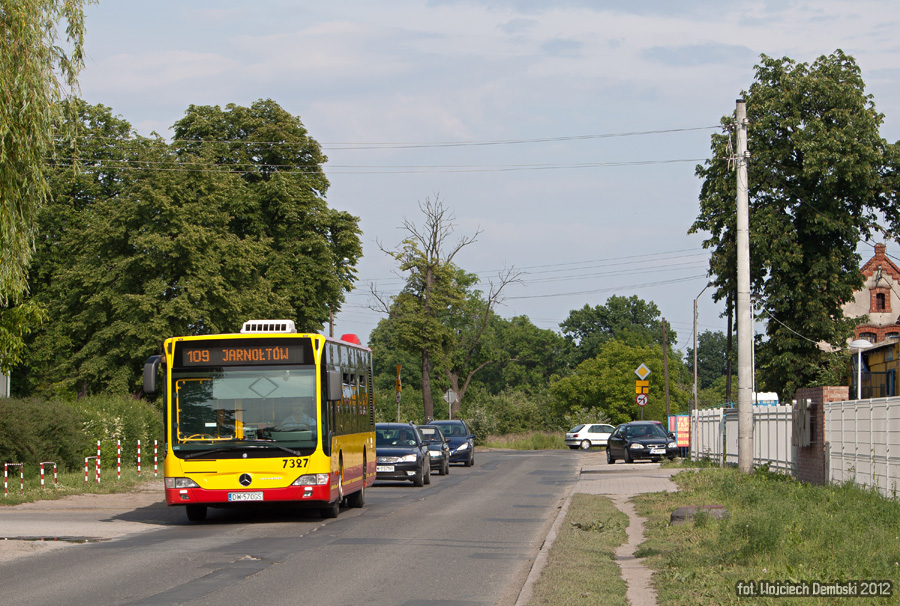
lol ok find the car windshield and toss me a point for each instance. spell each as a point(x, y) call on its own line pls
point(430, 433)
point(394, 436)
point(452, 430)
point(645, 431)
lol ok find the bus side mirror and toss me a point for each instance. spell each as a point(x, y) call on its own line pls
point(333, 388)
point(151, 368)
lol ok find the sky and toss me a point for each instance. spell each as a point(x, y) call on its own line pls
point(564, 134)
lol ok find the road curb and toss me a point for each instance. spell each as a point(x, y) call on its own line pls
point(541, 560)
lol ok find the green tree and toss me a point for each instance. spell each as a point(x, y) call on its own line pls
point(439, 315)
point(606, 382)
point(163, 247)
point(712, 360)
point(532, 356)
point(37, 73)
point(820, 179)
point(628, 319)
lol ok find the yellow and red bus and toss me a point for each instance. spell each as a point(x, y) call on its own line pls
point(266, 415)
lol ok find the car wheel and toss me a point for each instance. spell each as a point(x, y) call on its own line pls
point(471, 459)
point(428, 473)
point(196, 513)
point(419, 478)
point(627, 457)
point(585, 445)
point(609, 458)
point(446, 466)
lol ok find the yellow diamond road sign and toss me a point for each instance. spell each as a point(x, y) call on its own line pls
point(642, 371)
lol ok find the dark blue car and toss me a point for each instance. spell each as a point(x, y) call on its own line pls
point(462, 441)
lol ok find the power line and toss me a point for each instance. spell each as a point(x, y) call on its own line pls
point(363, 145)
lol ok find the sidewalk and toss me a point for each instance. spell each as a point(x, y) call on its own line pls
point(49, 524)
point(620, 482)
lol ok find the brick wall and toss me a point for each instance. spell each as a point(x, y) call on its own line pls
point(811, 465)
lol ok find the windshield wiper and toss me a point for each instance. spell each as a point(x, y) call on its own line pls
point(253, 444)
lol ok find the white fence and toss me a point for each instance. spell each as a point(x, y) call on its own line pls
point(863, 443)
point(716, 433)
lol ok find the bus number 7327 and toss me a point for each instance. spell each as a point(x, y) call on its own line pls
point(235, 404)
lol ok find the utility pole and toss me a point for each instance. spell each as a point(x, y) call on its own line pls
point(744, 324)
point(708, 284)
point(666, 371)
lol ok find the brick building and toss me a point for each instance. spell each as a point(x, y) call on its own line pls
point(879, 299)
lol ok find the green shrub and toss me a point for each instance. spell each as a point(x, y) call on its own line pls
point(111, 418)
point(34, 430)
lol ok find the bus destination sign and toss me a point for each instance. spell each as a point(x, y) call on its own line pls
point(236, 355)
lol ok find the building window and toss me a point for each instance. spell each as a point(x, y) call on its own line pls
point(871, 337)
point(879, 302)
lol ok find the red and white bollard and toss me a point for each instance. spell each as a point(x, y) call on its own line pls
point(6, 467)
point(139, 458)
point(118, 459)
point(98, 461)
point(155, 459)
point(55, 476)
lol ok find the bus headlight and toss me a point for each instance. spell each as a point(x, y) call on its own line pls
point(181, 483)
point(312, 479)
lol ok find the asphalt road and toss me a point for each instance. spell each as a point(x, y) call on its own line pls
point(468, 538)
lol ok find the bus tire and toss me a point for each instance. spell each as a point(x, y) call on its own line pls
point(196, 513)
point(331, 510)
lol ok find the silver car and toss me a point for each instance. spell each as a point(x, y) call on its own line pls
point(589, 435)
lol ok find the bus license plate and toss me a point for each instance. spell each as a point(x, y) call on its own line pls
point(245, 496)
point(384, 468)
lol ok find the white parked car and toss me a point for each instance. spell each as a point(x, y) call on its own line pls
point(586, 436)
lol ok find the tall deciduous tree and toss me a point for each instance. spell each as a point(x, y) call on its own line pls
point(629, 319)
point(819, 183)
point(37, 73)
point(153, 240)
point(439, 314)
point(432, 287)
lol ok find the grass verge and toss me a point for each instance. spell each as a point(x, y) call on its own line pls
point(580, 567)
point(780, 530)
point(534, 440)
point(71, 483)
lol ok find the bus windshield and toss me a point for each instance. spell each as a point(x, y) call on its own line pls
point(243, 410)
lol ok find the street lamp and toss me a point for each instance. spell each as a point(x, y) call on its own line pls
point(859, 345)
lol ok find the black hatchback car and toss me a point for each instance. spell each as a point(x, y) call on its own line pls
point(438, 448)
point(401, 454)
point(640, 440)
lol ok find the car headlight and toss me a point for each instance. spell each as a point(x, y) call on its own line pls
point(312, 479)
point(435, 453)
point(463, 446)
point(636, 446)
point(410, 458)
point(671, 445)
point(181, 483)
